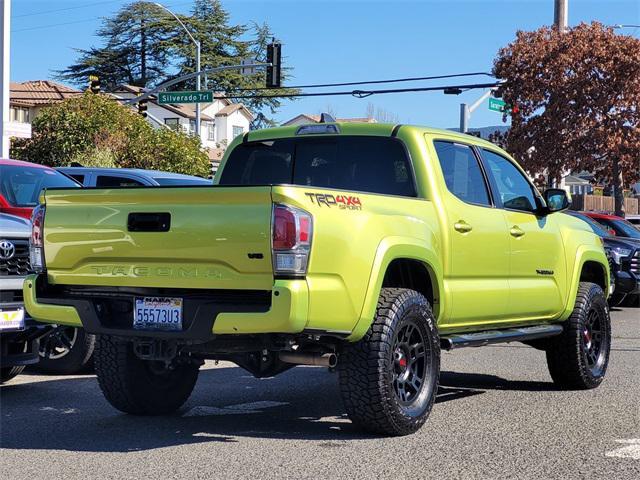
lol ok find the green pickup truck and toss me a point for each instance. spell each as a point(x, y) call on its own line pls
point(366, 248)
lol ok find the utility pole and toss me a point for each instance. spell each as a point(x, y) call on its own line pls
point(5, 78)
point(561, 15)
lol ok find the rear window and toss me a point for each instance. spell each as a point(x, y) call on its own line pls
point(21, 186)
point(358, 163)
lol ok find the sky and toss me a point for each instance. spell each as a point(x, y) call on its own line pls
point(338, 41)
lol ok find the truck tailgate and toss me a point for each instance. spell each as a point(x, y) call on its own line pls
point(216, 237)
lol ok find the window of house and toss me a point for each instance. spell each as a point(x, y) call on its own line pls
point(211, 132)
point(172, 123)
point(237, 131)
point(462, 172)
point(19, 114)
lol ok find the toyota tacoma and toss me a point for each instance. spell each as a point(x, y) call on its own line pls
point(364, 248)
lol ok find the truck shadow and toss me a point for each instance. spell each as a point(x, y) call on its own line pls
point(227, 404)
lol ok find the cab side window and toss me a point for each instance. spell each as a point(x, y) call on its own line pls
point(462, 172)
point(514, 190)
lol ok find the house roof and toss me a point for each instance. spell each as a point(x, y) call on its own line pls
point(316, 119)
point(39, 92)
point(234, 107)
point(575, 180)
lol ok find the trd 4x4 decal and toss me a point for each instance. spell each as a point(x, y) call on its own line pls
point(343, 202)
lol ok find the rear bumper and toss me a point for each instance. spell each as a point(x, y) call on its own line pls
point(108, 310)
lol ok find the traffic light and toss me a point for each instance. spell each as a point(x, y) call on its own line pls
point(274, 57)
point(94, 84)
point(142, 108)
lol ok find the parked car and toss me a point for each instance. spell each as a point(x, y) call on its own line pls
point(364, 247)
point(21, 184)
point(129, 177)
point(618, 226)
point(19, 333)
point(633, 219)
point(622, 252)
point(65, 349)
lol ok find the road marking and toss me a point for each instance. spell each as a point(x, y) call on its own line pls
point(632, 450)
point(238, 409)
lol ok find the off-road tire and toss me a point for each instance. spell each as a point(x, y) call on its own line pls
point(140, 387)
point(367, 368)
point(78, 359)
point(569, 356)
point(7, 373)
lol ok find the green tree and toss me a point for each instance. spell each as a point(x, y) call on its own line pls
point(144, 46)
point(137, 49)
point(95, 130)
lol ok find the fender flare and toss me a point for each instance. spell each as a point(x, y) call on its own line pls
point(389, 249)
point(584, 254)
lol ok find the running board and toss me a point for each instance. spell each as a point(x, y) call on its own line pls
point(478, 339)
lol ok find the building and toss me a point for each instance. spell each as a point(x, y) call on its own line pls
point(306, 118)
point(221, 120)
point(26, 99)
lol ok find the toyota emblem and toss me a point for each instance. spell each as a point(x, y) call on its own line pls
point(7, 250)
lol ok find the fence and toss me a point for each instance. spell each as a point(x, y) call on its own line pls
point(598, 203)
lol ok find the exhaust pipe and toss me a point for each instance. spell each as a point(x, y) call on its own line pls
point(318, 359)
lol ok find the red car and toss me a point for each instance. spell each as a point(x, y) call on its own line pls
point(21, 184)
point(617, 226)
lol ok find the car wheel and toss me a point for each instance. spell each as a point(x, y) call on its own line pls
point(389, 379)
point(7, 373)
point(141, 387)
point(66, 351)
point(578, 358)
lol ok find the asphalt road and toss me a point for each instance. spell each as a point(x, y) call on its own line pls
point(497, 416)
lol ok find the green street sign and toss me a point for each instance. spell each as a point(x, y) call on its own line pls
point(185, 97)
point(497, 105)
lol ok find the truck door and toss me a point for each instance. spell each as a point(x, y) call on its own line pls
point(477, 262)
point(537, 262)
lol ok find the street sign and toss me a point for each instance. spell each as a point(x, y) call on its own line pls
point(185, 97)
point(497, 105)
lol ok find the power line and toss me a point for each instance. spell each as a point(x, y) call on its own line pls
point(43, 12)
point(371, 82)
point(52, 25)
point(362, 82)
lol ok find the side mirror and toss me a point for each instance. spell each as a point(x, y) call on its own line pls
point(556, 199)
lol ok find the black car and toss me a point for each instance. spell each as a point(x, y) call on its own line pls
point(624, 259)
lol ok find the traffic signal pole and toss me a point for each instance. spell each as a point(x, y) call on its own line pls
point(466, 110)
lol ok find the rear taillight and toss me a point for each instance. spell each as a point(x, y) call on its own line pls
point(291, 233)
point(36, 242)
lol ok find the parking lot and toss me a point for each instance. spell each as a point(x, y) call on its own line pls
point(497, 416)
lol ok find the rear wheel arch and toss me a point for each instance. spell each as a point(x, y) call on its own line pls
point(412, 274)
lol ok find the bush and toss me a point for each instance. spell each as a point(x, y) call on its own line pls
point(96, 130)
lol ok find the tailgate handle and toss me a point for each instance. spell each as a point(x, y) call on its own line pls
point(149, 222)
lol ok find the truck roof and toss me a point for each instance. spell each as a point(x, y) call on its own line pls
point(374, 129)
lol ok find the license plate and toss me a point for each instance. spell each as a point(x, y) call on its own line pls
point(157, 313)
point(12, 319)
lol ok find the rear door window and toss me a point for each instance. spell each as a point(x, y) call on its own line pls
point(358, 163)
point(462, 172)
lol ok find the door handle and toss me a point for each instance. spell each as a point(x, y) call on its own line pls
point(516, 231)
point(462, 226)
